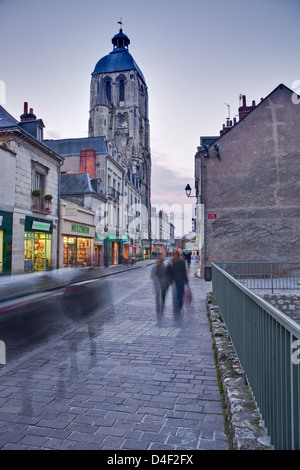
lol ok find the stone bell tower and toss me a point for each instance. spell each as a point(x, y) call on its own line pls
point(119, 110)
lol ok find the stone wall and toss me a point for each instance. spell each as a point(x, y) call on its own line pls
point(286, 303)
point(250, 186)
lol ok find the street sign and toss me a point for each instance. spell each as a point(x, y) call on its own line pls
point(211, 216)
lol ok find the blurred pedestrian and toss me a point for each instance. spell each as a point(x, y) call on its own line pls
point(179, 276)
point(161, 279)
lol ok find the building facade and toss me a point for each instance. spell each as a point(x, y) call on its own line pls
point(77, 235)
point(29, 201)
point(247, 181)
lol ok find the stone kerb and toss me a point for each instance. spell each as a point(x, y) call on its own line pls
point(245, 426)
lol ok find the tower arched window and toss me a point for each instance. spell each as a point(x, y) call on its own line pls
point(121, 90)
point(108, 90)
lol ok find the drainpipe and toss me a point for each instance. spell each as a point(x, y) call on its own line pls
point(58, 215)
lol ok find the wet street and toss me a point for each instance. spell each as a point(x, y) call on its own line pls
point(90, 367)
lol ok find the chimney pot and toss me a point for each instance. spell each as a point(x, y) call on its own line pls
point(244, 100)
point(25, 107)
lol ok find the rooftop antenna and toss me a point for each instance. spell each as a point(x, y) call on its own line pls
point(228, 110)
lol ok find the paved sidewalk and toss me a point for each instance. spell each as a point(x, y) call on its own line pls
point(123, 382)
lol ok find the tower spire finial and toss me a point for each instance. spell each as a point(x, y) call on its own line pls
point(120, 22)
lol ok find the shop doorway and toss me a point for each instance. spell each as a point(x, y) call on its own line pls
point(70, 255)
point(98, 255)
point(115, 253)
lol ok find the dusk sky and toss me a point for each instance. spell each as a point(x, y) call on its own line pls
point(196, 55)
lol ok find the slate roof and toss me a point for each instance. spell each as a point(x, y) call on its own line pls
point(119, 60)
point(6, 119)
point(77, 183)
point(68, 147)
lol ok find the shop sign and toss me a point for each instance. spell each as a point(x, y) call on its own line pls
point(40, 226)
point(70, 211)
point(1, 218)
point(80, 229)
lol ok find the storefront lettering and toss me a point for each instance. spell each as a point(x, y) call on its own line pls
point(40, 226)
point(80, 228)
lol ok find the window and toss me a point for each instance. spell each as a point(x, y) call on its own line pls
point(122, 90)
point(39, 174)
point(108, 90)
point(39, 182)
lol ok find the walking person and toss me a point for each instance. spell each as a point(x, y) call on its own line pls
point(161, 280)
point(180, 279)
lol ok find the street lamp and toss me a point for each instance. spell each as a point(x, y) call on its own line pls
point(188, 190)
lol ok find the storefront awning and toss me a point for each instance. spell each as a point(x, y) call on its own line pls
point(128, 244)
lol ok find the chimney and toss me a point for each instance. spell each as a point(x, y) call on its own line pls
point(244, 109)
point(27, 116)
point(88, 161)
point(31, 124)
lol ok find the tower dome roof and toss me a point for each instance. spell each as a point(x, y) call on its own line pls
point(119, 60)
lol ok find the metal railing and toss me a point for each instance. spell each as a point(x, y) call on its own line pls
point(267, 343)
point(264, 274)
point(113, 192)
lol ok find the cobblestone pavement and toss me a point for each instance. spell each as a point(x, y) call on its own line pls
point(121, 381)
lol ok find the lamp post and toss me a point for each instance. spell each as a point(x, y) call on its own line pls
point(188, 192)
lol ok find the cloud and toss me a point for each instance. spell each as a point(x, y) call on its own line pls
point(168, 194)
point(167, 184)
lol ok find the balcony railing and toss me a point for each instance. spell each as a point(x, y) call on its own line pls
point(40, 204)
point(267, 343)
point(114, 193)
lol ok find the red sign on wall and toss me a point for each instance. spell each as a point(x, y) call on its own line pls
point(211, 216)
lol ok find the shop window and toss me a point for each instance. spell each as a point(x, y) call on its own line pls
point(1, 250)
point(77, 252)
point(37, 251)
